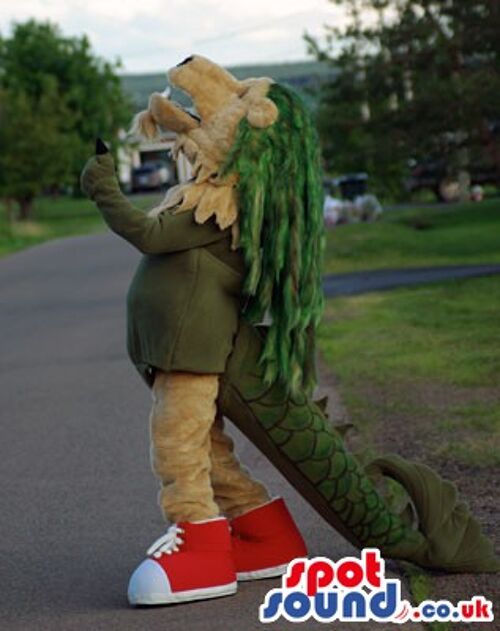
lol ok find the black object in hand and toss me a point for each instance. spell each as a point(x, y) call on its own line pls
point(100, 147)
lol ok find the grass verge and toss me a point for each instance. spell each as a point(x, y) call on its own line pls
point(449, 235)
point(428, 356)
point(54, 218)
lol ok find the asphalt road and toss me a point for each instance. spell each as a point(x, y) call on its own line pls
point(78, 501)
point(384, 279)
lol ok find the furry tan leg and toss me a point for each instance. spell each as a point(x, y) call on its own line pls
point(183, 413)
point(235, 491)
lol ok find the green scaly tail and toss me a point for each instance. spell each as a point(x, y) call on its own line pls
point(295, 435)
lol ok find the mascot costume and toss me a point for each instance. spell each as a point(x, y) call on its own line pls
point(239, 243)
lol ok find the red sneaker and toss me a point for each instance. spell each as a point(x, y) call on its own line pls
point(264, 541)
point(192, 561)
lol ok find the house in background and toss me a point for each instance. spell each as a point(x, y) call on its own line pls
point(135, 153)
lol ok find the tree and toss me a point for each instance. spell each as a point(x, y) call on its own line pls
point(36, 153)
point(55, 98)
point(417, 79)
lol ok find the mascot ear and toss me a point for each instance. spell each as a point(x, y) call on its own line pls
point(262, 112)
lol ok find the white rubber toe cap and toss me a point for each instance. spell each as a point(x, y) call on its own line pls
point(149, 585)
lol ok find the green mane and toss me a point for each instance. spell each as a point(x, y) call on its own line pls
point(281, 235)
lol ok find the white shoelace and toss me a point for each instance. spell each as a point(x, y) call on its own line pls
point(167, 543)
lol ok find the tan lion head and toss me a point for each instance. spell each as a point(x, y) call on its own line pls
point(221, 102)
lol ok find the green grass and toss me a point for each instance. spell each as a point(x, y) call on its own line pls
point(53, 218)
point(428, 354)
point(465, 233)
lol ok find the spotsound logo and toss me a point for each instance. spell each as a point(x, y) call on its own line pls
point(356, 590)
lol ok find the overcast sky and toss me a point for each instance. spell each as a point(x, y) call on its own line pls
point(152, 35)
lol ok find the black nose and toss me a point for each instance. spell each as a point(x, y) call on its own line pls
point(186, 61)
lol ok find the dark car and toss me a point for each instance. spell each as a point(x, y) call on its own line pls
point(433, 175)
point(151, 176)
point(434, 172)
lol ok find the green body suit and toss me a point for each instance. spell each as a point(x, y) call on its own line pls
point(184, 301)
point(190, 282)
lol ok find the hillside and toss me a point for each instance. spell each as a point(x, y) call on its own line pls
point(305, 77)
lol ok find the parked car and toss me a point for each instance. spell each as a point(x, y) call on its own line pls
point(433, 176)
point(150, 176)
point(483, 168)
